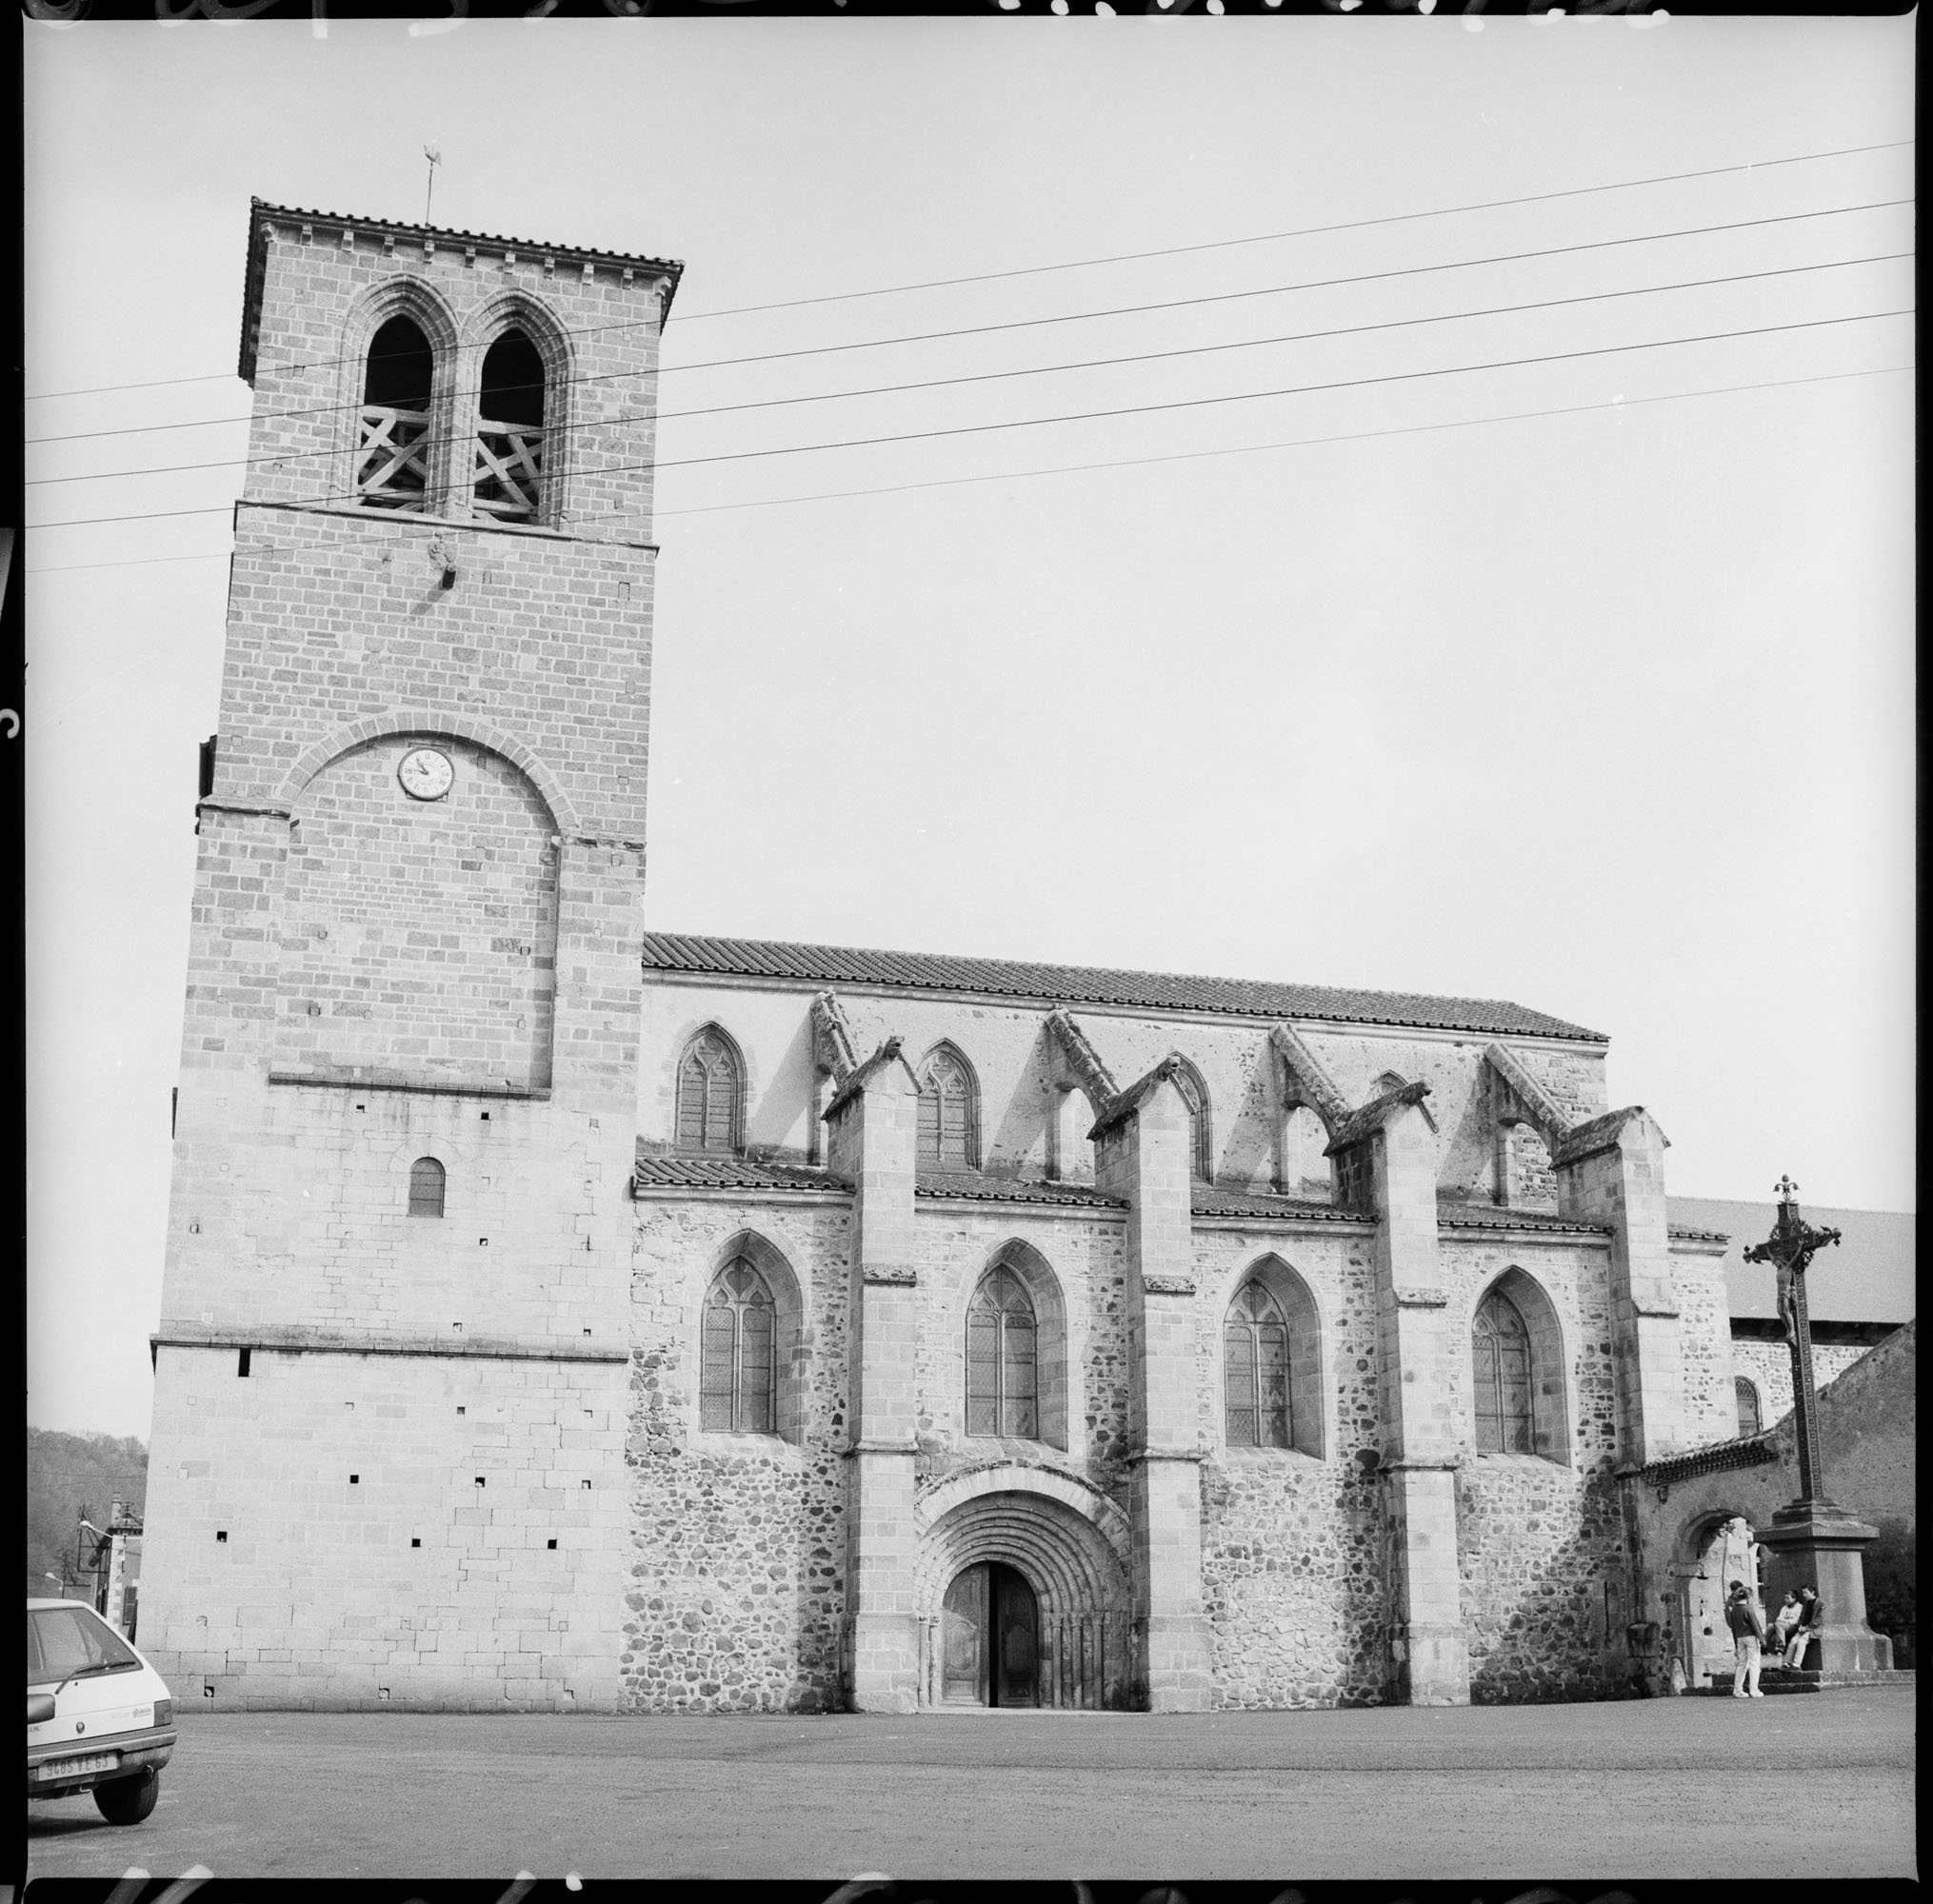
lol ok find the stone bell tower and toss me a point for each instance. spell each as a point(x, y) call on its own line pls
point(390, 1365)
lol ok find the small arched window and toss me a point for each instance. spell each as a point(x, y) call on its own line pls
point(426, 1187)
point(948, 1137)
point(738, 1354)
point(1001, 1359)
point(1194, 1090)
point(392, 430)
point(1501, 1347)
point(1750, 1420)
point(709, 1092)
point(508, 481)
point(1255, 1357)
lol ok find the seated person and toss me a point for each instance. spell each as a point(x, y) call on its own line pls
point(1812, 1613)
point(1782, 1623)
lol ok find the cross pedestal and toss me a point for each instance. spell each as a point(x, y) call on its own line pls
point(1812, 1544)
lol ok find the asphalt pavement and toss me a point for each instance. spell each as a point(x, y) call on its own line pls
point(1643, 1789)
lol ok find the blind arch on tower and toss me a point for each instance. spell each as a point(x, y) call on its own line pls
point(1271, 1362)
point(949, 1111)
point(1519, 1402)
point(708, 1110)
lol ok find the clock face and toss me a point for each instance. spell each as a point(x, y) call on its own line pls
point(426, 773)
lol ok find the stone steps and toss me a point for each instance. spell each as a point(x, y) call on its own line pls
point(1784, 1679)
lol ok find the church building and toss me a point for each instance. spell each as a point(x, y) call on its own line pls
point(561, 1314)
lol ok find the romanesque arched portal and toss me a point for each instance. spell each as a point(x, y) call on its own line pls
point(1023, 1591)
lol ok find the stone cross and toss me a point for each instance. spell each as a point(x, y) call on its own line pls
point(1790, 1248)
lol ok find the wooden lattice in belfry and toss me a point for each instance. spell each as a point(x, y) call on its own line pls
point(393, 457)
point(510, 468)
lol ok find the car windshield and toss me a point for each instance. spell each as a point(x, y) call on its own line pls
point(65, 1641)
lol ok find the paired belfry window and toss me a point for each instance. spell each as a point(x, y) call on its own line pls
point(948, 1132)
point(1255, 1371)
point(710, 1090)
point(1002, 1359)
point(1501, 1345)
point(427, 1178)
point(738, 1377)
point(398, 439)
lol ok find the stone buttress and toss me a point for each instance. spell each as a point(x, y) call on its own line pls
point(1141, 1153)
point(873, 1124)
point(1419, 1455)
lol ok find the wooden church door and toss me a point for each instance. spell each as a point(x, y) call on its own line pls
point(964, 1639)
point(990, 1638)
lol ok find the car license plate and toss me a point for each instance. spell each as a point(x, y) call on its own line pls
point(69, 1768)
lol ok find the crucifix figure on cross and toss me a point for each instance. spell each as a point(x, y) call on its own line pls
point(1790, 1249)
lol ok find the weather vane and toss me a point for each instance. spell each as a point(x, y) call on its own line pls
point(435, 159)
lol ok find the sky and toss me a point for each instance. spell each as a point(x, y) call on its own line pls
point(1583, 681)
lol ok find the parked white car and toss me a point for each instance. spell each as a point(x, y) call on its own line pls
point(99, 1718)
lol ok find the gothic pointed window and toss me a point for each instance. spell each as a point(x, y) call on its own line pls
point(738, 1354)
point(509, 477)
point(1749, 1418)
point(1501, 1347)
point(392, 427)
point(426, 1187)
point(1001, 1359)
point(710, 1089)
point(1255, 1370)
point(949, 1139)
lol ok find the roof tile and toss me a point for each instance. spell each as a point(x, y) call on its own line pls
point(729, 1173)
point(1095, 985)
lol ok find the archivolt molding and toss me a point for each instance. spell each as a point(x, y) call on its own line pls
point(1075, 1569)
point(1003, 1477)
point(432, 723)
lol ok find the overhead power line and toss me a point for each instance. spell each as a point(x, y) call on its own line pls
point(1036, 322)
point(1094, 416)
point(1089, 264)
point(1136, 462)
point(1052, 369)
point(1291, 442)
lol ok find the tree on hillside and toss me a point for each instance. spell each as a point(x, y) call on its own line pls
point(65, 1475)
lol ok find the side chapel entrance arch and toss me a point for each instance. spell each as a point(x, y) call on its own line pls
point(1716, 1550)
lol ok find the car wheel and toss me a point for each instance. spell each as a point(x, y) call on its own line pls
point(127, 1801)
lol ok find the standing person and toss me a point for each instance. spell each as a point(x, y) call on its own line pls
point(1747, 1630)
point(1811, 1616)
point(1786, 1619)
